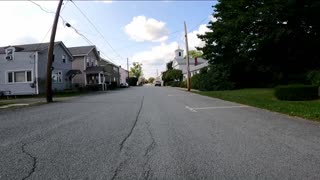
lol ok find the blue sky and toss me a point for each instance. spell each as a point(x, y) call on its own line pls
point(143, 31)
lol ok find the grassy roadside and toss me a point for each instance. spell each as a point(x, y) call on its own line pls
point(2, 103)
point(263, 98)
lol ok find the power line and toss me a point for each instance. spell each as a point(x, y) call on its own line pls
point(96, 29)
point(65, 24)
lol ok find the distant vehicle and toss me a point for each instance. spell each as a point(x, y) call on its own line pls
point(158, 83)
point(124, 85)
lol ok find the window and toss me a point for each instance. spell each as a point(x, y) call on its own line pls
point(19, 77)
point(9, 54)
point(88, 60)
point(179, 54)
point(63, 58)
point(52, 58)
point(57, 77)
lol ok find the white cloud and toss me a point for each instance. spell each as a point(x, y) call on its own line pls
point(193, 39)
point(27, 23)
point(107, 1)
point(156, 57)
point(143, 29)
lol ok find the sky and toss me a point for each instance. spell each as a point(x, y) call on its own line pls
point(143, 31)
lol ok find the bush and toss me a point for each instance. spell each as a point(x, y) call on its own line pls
point(173, 83)
point(314, 77)
point(196, 81)
point(215, 78)
point(132, 81)
point(183, 84)
point(296, 92)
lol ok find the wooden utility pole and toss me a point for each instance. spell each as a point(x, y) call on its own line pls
point(187, 49)
point(128, 68)
point(50, 54)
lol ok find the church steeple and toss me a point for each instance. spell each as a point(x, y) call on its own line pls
point(179, 53)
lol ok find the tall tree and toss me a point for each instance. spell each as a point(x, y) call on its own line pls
point(264, 41)
point(136, 70)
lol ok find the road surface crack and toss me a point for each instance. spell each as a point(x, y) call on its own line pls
point(34, 162)
point(133, 126)
point(152, 144)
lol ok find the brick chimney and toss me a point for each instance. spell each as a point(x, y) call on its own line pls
point(195, 61)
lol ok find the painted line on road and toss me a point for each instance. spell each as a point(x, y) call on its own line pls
point(180, 94)
point(219, 107)
point(191, 109)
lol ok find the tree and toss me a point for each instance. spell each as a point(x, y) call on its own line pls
point(173, 75)
point(136, 70)
point(194, 54)
point(151, 79)
point(170, 65)
point(264, 42)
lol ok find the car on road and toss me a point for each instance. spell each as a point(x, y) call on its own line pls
point(124, 85)
point(158, 83)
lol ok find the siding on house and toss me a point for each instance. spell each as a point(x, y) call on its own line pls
point(22, 61)
point(81, 56)
point(58, 65)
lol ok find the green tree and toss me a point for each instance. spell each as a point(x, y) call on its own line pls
point(195, 54)
point(170, 65)
point(151, 79)
point(173, 75)
point(136, 70)
point(264, 42)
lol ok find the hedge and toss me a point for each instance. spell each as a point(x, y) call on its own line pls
point(296, 92)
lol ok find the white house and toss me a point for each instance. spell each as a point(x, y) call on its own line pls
point(195, 64)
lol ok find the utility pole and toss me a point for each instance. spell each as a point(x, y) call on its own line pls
point(128, 68)
point(50, 54)
point(187, 49)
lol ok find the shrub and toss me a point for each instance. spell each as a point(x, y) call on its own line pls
point(196, 81)
point(216, 78)
point(132, 81)
point(174, 83)
point(183, 84)
point(296, 92)
point(314, 77)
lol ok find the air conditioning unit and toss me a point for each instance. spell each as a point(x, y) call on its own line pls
point(9, 57)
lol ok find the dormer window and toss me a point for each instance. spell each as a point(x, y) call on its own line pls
point(9, 54)
point(179, 54)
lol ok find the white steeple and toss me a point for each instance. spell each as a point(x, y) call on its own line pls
point(179, 53)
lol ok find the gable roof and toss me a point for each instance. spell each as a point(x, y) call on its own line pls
point(81, 50)
point(28, 47)
point(34, 47)
point(106, 62)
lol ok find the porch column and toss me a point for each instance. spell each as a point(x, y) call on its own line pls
point(99, 78)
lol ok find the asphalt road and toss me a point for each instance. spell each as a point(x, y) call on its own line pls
point(155, 133)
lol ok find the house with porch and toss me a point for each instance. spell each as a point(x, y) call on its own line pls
point(86, 59)
point(23, 68)
point(112, 72)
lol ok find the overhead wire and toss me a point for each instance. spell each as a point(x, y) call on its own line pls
point(107, 42)
point(65, 24)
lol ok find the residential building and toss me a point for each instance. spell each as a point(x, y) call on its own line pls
point(86, 59)
point(195, 64)
point(123, 75)
point(112, 72)
point(23, 68)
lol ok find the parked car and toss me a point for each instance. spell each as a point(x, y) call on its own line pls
point(124, 85)
point(158, 83)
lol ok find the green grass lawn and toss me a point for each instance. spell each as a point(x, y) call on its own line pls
point(4, 102)
point(263, 98)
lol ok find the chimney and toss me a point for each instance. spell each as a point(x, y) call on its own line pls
point(195, 61)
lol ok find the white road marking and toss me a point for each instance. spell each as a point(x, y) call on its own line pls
point(180, 94)
point(191, 109)
point(12, 105)
point(220, 107)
